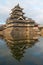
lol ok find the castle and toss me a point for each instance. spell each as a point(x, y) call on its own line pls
point(20, 27)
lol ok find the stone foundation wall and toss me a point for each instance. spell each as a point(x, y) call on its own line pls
point(1, 33)
point(19, 33)
point(41, 32)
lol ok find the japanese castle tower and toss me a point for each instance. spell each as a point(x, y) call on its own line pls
point(18, 26)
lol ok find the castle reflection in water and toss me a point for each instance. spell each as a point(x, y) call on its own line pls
point(20, 33)
point(18, 47)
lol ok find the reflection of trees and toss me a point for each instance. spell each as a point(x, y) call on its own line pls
point(18, 48)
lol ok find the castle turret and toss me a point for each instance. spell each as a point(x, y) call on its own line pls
point(17, 13)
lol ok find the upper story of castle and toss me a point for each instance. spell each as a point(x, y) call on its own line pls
point(17, 13)
point(17, 17)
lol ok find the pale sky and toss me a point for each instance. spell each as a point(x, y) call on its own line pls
point(32, 8)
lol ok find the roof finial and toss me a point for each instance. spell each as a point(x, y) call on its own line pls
point(18, 4)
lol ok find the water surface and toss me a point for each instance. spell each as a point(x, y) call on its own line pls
point(21, 54)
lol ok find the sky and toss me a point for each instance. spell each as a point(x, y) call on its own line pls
point(32, 8)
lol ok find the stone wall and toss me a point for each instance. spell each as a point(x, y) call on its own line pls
point(17, 33)
point(20, 33)
point(1, 33)
point(41, 32)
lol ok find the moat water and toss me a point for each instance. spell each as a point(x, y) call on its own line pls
point(21, 54)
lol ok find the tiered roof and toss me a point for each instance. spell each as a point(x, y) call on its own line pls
point(17, 12)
